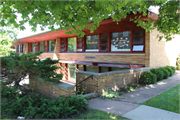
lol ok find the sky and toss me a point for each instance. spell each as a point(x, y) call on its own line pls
point(27, 32)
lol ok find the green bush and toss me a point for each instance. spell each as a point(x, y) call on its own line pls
point(178, 62)
point(166, 73)
point(168, 68)
point(173, 68)
point(158, 73)
point(35, 106)
point(147, 78)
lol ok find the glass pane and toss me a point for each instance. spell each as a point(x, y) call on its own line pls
point(138, 33)
point(92, 43)
point(138, 47)
point(19, 49)
point(138, 40)
point(92, 68)
point(104, 69)
point(121, 41)
point(51, 46)
point(33, 47)
point(72, 72)
point(80, 67)
point(45, 46)
point(24, 47)
point(72, 44)
point(41, 46)
point(104, 36)
point(116, 69)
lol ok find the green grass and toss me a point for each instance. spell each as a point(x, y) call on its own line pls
point(2, 117)
point(168, 100)
point(97, 114)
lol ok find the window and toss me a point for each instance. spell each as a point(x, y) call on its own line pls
point(62, 45)
point(24, 47)
point(29, 47)
point(104, 43)
point(72, 72)
point(92, 43)
point(121, 41)
point(116, 68)
point(41, 46)
point(104, 69)
point(80, 44)
point(71, 44)
point(51, 46)
point(138, 40)
point(45, 46)
point(80, 67)
point(33, 47)
point(19, 48)
point(94, 69)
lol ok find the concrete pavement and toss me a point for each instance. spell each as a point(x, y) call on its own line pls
point(128, 105)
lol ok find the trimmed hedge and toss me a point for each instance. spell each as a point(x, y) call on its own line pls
point(147, 78)
point(168, 68)
point(158, 73)
point(173, 68)
point(166, 73)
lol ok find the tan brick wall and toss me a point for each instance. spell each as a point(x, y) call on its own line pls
point(108, 81)
point(47, 89)
point(163, 53)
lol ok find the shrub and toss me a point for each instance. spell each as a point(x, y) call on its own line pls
point(148, 77)
point(158, 73)
point(109, 94)
point(178, 62)
point(166, 73)
point(35, 106)
point(173, 68)
point(168, 68)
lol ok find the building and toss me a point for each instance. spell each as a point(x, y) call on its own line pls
point(111, 47)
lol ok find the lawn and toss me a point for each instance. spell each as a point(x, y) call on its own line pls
point(168, 100)
point(97, 114)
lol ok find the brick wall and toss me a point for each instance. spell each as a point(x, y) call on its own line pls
point(48, 89)
point(108, 81)
point(163, 53)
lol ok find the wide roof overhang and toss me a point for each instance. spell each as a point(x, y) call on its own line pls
point(105, 26)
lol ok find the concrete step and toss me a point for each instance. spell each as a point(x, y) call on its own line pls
point(90, 95)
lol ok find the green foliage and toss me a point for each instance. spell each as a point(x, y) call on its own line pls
point(178, 62)
point(166, 73)
point(158, 73)
point(78, 14)
point(148, 77)
point(168, 68)
point(109, 94)
point(35, 106)
point(16, 67)
point(130, 88)
point(173, 68)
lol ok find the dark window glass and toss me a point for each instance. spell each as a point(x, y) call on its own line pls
point(138, 33)
point(24, 47)
point(45, 46)
point(41, 46)
point(72, 44)
point(92, 43)
point(121, 41)
point(51, 46)
point(33, 47)
point(116, 69)
point(104, 69)
point(92, 68)
point(138, 40)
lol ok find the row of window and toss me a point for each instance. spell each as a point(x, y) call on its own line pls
point(126, 41)
point(46, 46)
point(20, 48)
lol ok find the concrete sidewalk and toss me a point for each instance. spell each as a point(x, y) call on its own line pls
point(129, 106)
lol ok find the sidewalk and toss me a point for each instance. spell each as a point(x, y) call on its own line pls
point(129, 106)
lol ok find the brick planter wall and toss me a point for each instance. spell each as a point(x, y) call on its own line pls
point(48, 89)
point(113, 80)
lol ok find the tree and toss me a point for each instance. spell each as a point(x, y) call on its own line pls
point(15, 67)
point(78, 14)
point(7, 36)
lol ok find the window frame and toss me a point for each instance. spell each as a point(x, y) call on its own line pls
point(67, 45)
point(85, 44)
